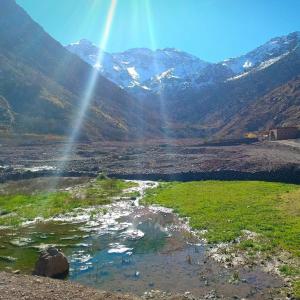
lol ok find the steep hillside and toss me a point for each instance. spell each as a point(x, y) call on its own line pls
point(280, 107)
point(199, 99)
point(6, 115)
point(43, 85)
point(210, 110)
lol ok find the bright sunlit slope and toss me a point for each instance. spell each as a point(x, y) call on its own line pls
point(42, 86)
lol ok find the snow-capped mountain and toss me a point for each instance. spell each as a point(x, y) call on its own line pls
point(142, 71)
point(264, 55)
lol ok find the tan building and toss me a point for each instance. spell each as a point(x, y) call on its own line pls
point(283, 133)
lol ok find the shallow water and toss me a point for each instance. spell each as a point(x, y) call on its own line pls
point(131, 248)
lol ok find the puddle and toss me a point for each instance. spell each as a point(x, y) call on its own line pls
point(126, 247)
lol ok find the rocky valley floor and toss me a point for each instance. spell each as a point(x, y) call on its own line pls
point(154, 160)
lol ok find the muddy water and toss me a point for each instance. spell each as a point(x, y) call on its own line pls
point(130, 248)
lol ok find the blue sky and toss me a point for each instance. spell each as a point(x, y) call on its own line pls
point(211, 29)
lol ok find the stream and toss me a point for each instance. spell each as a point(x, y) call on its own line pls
point(127, 247)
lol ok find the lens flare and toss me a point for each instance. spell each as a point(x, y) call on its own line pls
point(88, 94)
point(151, 32)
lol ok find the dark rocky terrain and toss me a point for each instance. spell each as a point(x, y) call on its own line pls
point(166, 160)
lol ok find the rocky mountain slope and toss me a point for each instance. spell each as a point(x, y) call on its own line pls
point(212, 110)
point(264, 55)
point(280, 107)
point(42, 86)
point(140, 93)
point(142, 71)
point(209, 100)
point(168, 71)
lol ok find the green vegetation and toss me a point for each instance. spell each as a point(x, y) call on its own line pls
point(227, 208)
point(224, 209)
point(296, 289)
point(16, 208)
point(289, 270)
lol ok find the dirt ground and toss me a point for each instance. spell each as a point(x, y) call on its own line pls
point(156, 158)
point(21, 287)
point(24, 287)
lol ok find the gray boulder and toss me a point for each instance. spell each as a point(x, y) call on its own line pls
point(52, 263)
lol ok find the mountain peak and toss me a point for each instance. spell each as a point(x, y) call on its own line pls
point(273, 49)
point(143, 66)
point(138, 67)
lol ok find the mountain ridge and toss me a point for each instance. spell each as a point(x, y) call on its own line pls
point(131, 69)
point(44, 85)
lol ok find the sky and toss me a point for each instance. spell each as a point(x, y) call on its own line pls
point(213, 30)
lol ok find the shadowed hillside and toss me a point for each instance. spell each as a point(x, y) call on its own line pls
point(42, 86)
point(280, 107)
point(216, 110)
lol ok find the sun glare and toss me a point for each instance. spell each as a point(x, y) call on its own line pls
point(88, 93)
point(153, 43)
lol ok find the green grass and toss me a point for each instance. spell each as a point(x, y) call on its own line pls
point(296, 289)
point(227, 208)
point(23, 207)
point(289, 270)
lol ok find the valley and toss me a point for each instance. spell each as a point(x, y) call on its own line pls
point(186, 159)
point(146, 172)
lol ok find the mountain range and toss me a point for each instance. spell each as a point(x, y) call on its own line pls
point(43, 85)
point(202, 99)
point(142, 71)
point(140, 92)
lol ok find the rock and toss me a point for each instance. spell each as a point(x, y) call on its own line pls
point(3, 212)
point(52, 263)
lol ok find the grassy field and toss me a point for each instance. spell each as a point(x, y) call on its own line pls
point(16, 208)
point(227, 208)
point(224, 209)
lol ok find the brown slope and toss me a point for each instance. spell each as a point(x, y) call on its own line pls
point(44, 84)
point(212, 108)
point(280, 107)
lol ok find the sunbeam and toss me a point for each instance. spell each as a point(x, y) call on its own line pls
point(151, 32)
point(161, 94)
point(88, 93)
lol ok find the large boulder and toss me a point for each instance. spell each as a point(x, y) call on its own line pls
point(52, 263)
